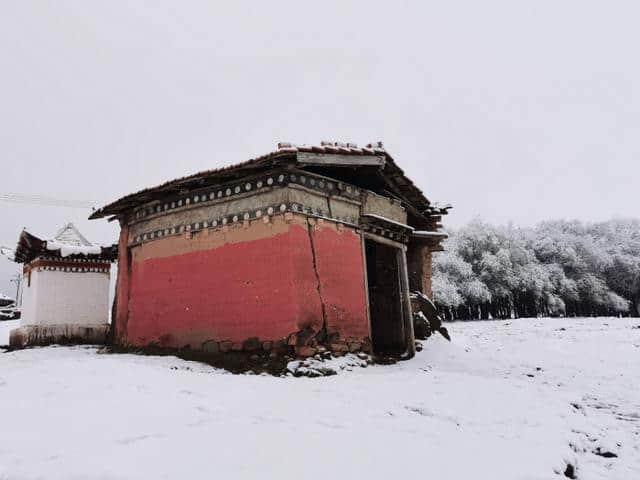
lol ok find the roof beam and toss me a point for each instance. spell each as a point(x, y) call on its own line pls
point(338, 160)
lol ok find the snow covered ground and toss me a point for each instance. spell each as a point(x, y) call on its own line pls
point(516, 399)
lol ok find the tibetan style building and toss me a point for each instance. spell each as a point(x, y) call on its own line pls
point(64, 289)
point(303, 247)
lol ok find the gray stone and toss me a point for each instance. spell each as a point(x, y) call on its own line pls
point(252, 344)
point(210, 346)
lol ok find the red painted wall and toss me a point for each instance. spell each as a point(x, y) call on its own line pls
point(122, 288)
point(263, 287)
point(340, 266)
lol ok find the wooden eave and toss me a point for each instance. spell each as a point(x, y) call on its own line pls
point(396, 183)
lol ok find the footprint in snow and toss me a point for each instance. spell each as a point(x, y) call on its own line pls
point(139, 438)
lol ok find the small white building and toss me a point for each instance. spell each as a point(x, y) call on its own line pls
point(64, 290)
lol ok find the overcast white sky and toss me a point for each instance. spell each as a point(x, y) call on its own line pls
point(511, 110)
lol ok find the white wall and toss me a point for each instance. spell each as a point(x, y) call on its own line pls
point(56, 297)
point(28, 295)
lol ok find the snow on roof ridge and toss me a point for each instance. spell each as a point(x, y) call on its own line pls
point(378, 146)
point(326, 146)
point(69, 249)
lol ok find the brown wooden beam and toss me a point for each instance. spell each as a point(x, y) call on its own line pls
point(338, 160)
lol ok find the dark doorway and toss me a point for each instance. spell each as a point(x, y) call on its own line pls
point(385, 299)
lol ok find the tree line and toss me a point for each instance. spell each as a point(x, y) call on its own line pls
point(558, 268)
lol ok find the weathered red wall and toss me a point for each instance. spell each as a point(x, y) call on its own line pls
point(427, 273)
point(420, 268)
point(255, 280)
point(122, 288)
point(340, 266)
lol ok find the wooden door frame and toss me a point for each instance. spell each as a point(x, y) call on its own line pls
point(405, 301)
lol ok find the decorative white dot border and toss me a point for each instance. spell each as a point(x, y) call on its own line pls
point(74, 269)
point(305, 179)
point(235, 218)
point(71, 265)
point(71, 259)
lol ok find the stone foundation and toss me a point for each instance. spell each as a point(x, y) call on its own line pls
point(67, 334)
point(64, 334)
point(289, 346)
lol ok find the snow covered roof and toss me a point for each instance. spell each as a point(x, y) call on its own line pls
point(69, 235)
point(333, 153)
point(68, 241)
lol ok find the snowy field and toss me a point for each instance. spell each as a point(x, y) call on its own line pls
point(509, 400)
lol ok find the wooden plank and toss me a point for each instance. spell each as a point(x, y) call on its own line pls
point(410, 337)
point(336, 159)
point(377, 219)
point(384, 240)
point(366, 287)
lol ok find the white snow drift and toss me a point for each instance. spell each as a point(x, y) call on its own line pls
point(509, 400)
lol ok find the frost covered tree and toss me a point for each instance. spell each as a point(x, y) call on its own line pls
point(558, 268)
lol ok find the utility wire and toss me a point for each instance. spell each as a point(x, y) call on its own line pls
point(45, 201)
point(7, 252)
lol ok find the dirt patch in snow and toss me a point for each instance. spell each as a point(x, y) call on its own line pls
point(234, 362)
point(282, 364)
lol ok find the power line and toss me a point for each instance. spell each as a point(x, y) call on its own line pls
point(7, 252)
point(42, 200)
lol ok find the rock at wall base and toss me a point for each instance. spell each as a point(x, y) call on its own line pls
point(305, 351)
point(210, 346)
point(63, 334)
point(339, 347)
